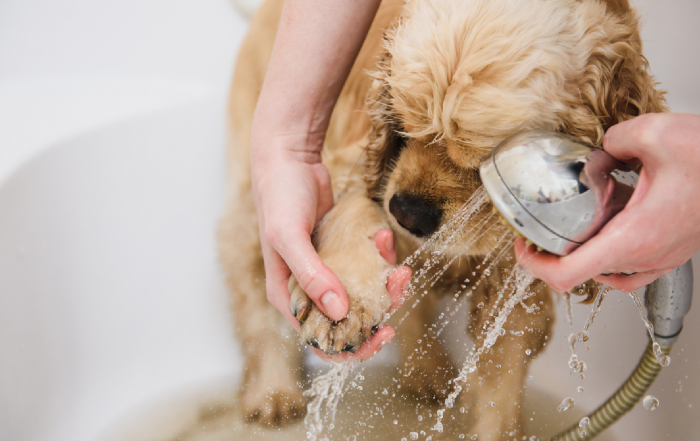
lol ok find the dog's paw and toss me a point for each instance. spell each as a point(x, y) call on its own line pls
point(299, 303)
point(367, 312)
point(272, 406)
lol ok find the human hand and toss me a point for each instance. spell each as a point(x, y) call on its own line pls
point(658, 230)
point(396, 286)
point(292, 192)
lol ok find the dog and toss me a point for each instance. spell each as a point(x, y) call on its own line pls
point(437, 84)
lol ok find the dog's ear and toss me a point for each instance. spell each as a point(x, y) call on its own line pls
point(384, 138)
point(616, 84)
point(618, 6)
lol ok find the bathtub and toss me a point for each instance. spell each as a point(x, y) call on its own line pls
point(113, 311)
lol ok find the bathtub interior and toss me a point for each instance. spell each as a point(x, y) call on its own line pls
point(113, 313)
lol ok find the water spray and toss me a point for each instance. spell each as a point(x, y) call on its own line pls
point(558, 192)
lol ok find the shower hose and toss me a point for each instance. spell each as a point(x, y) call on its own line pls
point(622, 401)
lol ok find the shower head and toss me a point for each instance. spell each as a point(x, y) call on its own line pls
point(555, 190)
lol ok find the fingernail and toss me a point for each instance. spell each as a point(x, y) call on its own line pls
point(332, 305)
point(389, 243)
point(387, 339)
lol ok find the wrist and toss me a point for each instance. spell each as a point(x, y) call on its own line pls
point(292, 145)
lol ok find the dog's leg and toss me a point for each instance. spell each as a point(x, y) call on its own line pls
point(425, 367)
point(496, 389)
point(270, 390)
point(345, 241)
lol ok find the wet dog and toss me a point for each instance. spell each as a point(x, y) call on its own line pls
point(437, 84)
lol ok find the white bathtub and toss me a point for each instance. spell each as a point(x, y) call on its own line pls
point(111, 181)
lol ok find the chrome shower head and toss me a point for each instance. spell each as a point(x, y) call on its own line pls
point(555, 190)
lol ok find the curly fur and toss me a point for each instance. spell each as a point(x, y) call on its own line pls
point(442, 82)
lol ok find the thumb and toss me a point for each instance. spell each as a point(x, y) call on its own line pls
point(633, 140)
point(315, 278)
point(325, 190)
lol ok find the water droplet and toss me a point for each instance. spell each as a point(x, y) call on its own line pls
point(396, 422)
point(650, 402)
point(566, 404)
point(579, 389)
point(528, 351)
point(487, 272)
point(474, 437)
point(413, 435)
point(585, 421)
point(663, 359)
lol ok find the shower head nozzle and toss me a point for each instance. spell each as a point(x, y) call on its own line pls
point(554, 189)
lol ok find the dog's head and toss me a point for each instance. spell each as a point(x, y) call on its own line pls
point(458, 77)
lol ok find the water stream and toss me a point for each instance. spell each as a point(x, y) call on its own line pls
point(327, 389)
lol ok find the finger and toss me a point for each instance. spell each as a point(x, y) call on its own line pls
point(544, 266)
point(315, 278)
point(564, 273)
point(384, 240)
point(630, 140)
point(367, 350)
point(277, 283)
point(631, 283)
point(397, 286)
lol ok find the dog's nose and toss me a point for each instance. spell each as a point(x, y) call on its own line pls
point(420, 217)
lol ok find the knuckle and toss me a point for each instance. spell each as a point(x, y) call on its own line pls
point(649, 128)
point(305, 279)
point(273, 234)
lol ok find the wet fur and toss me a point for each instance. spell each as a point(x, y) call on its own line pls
point(437, 84)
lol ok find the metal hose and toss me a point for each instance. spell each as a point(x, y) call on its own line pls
point(621, 401)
